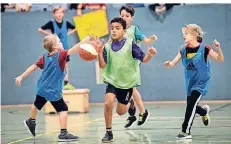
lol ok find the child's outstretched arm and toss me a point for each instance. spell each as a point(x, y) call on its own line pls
point(74, 48)
point(172, 63)
point(151, 52)
point(77, 46)
point(140, 36)
point(218, 56)
point(148, 41)
point(25, 74)
point(138, 54)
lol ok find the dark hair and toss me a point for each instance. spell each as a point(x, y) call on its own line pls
point(119, 20)
point(128, 9)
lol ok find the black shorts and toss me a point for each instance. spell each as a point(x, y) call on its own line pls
point(123, 95)
point(59, 105)
point(68, 58)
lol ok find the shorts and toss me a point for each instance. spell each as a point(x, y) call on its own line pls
point(123, 95)
point(59, 105)
point(68, 58)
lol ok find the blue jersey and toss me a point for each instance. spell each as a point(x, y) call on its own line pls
point(197, 71)
point(50, 83)
point(62, 33)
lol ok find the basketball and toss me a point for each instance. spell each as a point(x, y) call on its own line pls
point(88, 51)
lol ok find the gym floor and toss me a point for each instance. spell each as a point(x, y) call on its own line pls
point(162, 127)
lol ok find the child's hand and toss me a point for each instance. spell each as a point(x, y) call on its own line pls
point(87, 39)
point(18, 80)
point(153, 37)
point(152, 51)
point(216, 44)
point(100, 45)
point(168, 64)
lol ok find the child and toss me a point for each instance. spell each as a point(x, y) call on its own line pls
point(127, 13)
point(50, 84)
point(120, 63)
point(60, 27)
point(194, 57)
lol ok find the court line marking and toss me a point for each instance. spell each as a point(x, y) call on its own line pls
point(88, 122)
point(145, 102)
point(162, 118)
point(182, 141)
point(47, 133)
point(160, 121)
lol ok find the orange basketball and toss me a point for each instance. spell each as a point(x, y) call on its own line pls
point(89, 51)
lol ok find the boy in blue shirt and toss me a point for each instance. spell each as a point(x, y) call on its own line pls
point(49, 87)
point(60, 27)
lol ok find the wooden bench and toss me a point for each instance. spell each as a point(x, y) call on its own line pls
point(77, 101)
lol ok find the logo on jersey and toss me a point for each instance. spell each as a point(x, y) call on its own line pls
point(127, 97)
point(191, 67)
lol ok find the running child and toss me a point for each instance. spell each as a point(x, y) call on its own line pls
point(120, 61)
point(194, 57)
point(133, 32)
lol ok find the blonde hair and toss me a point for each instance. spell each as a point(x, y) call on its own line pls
point(49, 42)
point(195, 30)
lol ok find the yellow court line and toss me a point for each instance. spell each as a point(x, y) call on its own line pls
point(47, 133)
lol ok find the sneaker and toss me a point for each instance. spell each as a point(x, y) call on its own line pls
point(130, 121)
point(132, 108)
point(68, 86)
point(206, 119)
point(143, 117)
point(108, 137)
point(66, 137)
point(30, 126)
point(183, 136)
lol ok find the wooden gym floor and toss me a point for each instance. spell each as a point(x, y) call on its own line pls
point(162, 127)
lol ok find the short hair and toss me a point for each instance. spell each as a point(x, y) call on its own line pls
point(58, 8)
point(119, 20)
point(128, 9)
point(49, 42)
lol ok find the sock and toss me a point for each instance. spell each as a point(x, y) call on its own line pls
point(65, 82)
point(132, 109)
point(141, 113)
point(63, 130)
point(33, 120)
point(108, 129)
point(132, 103)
